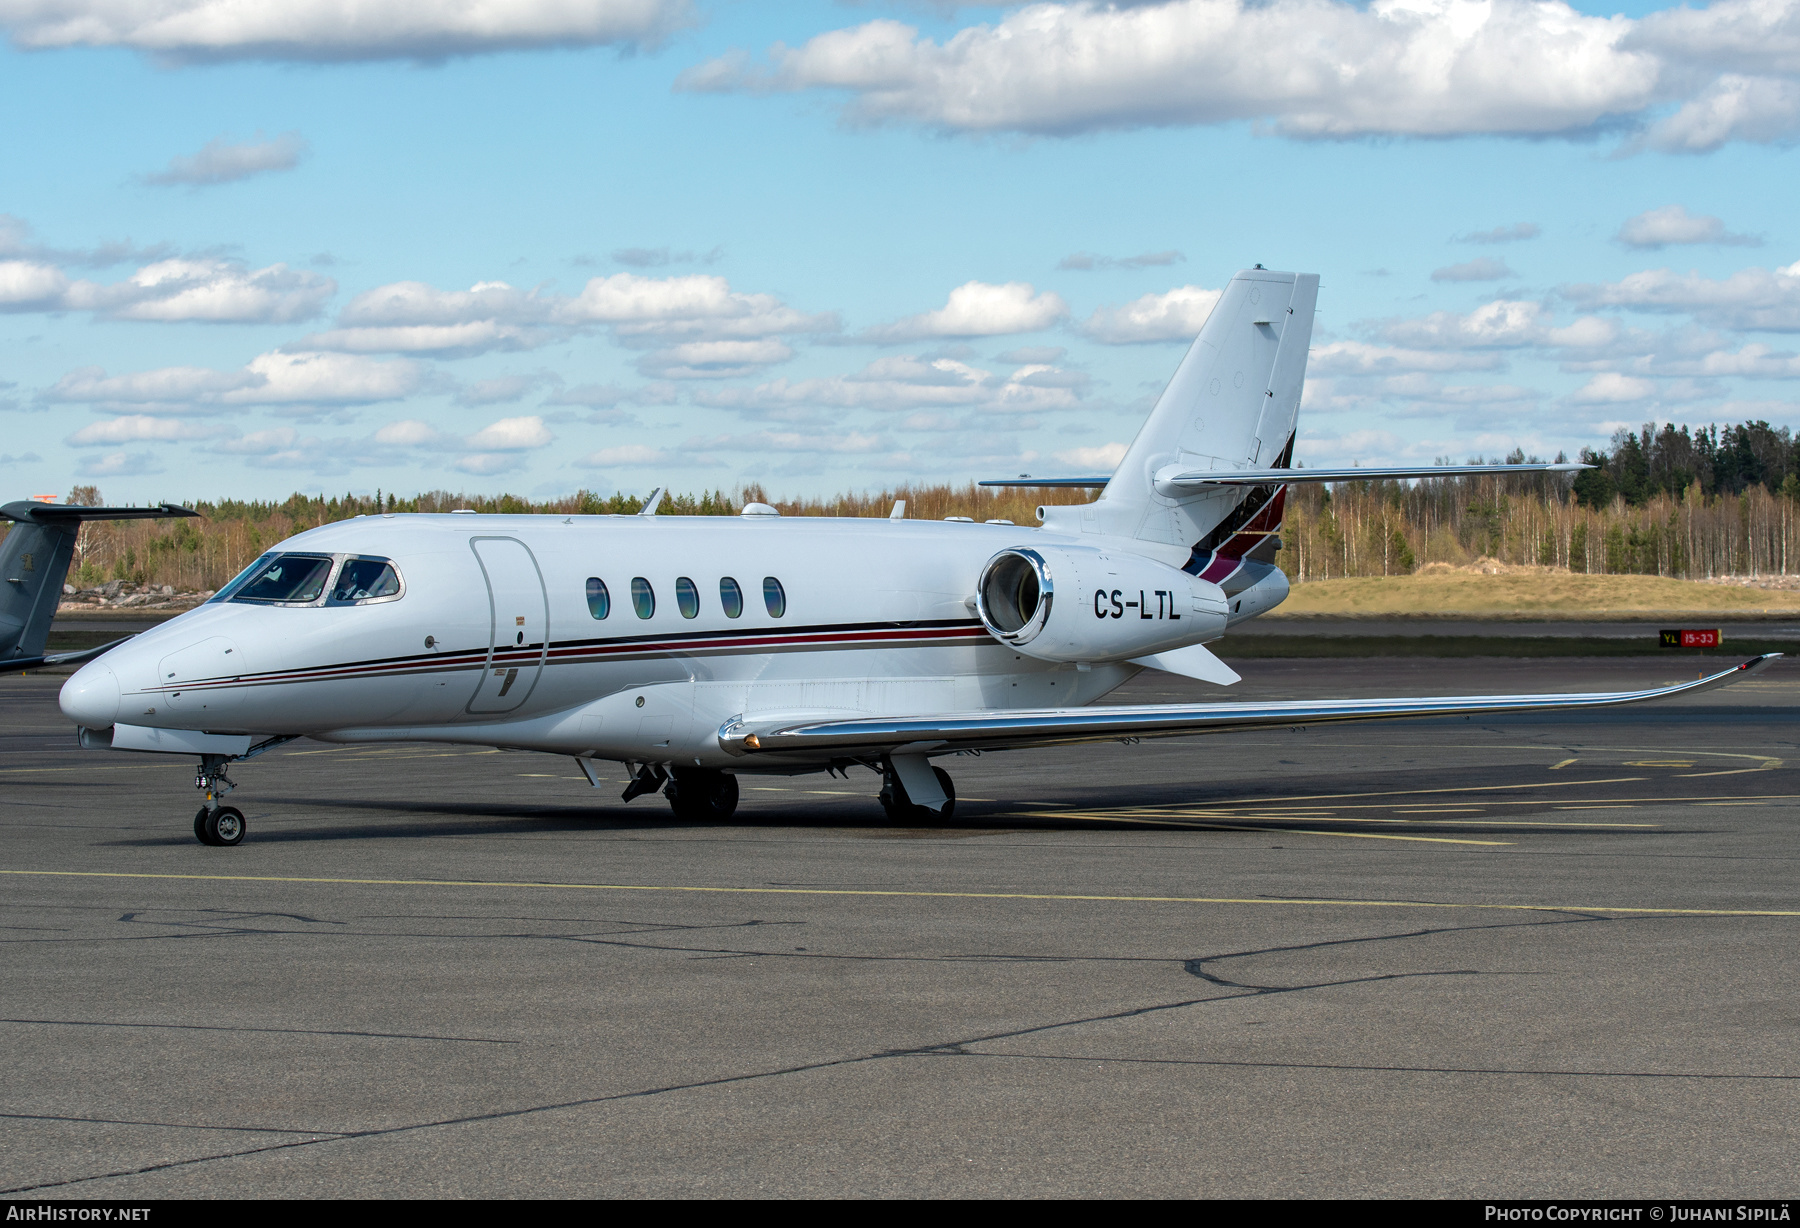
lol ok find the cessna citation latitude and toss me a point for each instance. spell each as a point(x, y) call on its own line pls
point(698, 650)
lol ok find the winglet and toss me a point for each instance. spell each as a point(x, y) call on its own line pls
point(653, 502)
point(899, 512)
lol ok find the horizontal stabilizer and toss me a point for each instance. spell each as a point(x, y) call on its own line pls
point(990, 730)
point(1194, 661)
point(25, 511)
point(1269, 477)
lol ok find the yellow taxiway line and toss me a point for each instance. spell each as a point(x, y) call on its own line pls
point(1295, 901)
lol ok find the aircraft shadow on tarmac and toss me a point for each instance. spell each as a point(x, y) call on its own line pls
point(1151, 809)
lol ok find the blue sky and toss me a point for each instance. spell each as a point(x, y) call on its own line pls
point(539, 246)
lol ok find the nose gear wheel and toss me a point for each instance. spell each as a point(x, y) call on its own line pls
point(220, 826)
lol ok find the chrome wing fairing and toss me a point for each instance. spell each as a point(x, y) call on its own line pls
point(811, 737)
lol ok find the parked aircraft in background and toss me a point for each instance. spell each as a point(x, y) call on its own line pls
point(696, 650)
point(34, 562)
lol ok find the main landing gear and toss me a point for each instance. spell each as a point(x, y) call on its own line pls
point(706, 795)
point(902, 809)
point(695, 794)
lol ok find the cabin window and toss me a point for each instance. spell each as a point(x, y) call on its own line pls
point(731, 597)
point(362, 580)
point(287, 579)
point(643, 597)
point(774, 597)
point(599, 600)
point(687, 597)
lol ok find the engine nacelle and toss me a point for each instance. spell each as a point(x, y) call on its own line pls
point(1075, 603)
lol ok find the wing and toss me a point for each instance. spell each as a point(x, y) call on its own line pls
point(814, 738)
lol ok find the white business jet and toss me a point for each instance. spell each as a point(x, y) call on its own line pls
point(696, 650)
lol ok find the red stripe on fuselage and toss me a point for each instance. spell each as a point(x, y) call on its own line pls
point(705, 643)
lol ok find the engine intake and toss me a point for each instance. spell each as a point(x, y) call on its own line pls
point(1015, 595)
point(1071, 603)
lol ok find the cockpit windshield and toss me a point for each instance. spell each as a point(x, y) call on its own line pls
point(365, 579)
point(285, 578)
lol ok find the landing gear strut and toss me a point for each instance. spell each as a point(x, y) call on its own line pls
point(901, 808)
point(217, 825)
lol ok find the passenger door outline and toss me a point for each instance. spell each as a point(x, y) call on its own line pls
point(513, 579)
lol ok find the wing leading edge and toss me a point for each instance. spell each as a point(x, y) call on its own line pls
point(811, 737)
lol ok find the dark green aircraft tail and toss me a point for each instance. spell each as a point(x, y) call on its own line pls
point(34, 562)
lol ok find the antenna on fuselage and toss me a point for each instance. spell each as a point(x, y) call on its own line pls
point(650, 504)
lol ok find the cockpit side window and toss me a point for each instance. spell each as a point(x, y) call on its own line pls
point(362, 580)
point(286, 579)
point(238, 581)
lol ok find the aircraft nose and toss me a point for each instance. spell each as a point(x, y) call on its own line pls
point(91, 697)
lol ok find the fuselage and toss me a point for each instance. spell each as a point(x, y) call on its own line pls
point(496, 636)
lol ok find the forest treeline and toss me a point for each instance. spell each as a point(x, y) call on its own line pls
point(1670, 501)
point(1688, 503)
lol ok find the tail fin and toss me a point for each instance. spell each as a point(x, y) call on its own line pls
point(34, 561)
point(1232, 405)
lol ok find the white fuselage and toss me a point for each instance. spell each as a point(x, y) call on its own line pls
point(492, 640)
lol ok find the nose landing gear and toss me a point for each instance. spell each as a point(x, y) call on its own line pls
point(223, 826)
point(216, 825)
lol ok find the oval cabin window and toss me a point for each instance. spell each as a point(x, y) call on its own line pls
point(731, 597)
point(687, 597)
point(599, 600)
point(643, 597)
point(774, 597)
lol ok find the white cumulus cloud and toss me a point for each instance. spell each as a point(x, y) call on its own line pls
point(906, 382)
point(511, 435)
point(1175, 315)
point(696, 326)
point(326, 30)
point(1314, 68)
point(172, 291)
point(1753, 298)
point(143, 428)
point(979, 309)
point(1361, 358)
point(222, 161)
point(1311, 67)
point(1673, 224)
point(268, 379)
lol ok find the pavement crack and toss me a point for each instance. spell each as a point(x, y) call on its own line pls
point(1198, 966)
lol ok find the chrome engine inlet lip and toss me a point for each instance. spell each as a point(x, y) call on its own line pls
point(1029, 630)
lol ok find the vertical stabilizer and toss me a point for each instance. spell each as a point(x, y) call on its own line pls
point(1232, 404)
point(34, 561)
